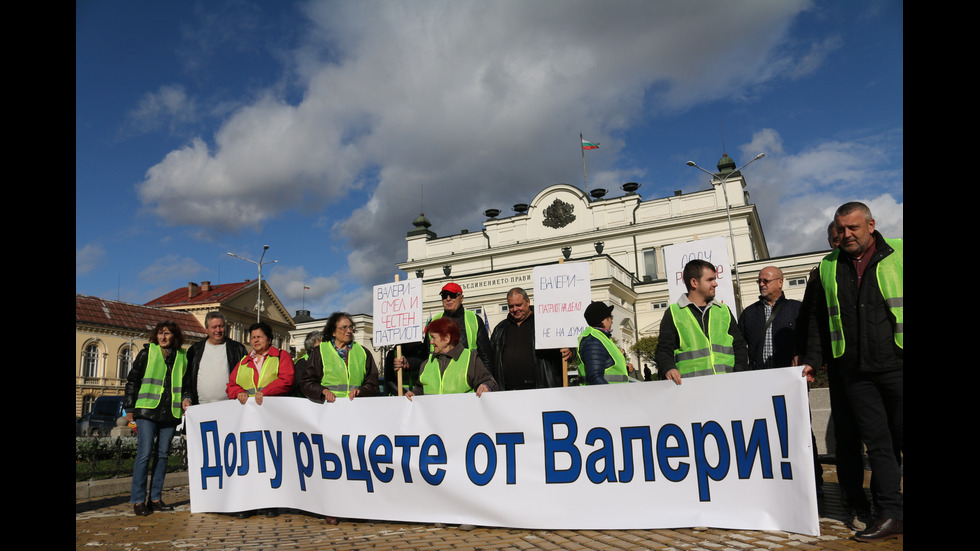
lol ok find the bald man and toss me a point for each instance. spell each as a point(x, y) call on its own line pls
point(768, 325)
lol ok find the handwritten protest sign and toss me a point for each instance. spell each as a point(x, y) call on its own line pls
point(715, 251)
point(398, 312)
point(562, 292)
point(727, 451)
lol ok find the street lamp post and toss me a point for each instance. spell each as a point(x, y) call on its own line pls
point(728, 212)
point(258, 299)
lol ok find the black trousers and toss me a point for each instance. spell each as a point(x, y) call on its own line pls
point(876, 400)
point(847, 443)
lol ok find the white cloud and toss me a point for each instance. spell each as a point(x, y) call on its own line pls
point(474, 95)
point(172, 268)
point(474, 103)
point(815, 58)
point(290, 282)
point(88, 258)
point(797, 194)
point(169, 106)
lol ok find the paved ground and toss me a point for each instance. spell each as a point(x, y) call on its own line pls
point(109, 523)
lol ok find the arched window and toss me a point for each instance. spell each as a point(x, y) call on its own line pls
point(125, 361)
point(90, 361)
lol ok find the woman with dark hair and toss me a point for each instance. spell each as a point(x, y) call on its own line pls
point(265, 371)
point(153, 393)
point(339, 367)
point(600, 360)
point(451, 369)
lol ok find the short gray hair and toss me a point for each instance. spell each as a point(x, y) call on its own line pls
point(848, 208)
point(312, 339)
point(518, 291)
point(214, 315)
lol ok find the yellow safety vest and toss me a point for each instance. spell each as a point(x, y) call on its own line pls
point(246, 374)
point(151, 388)
point(701, 354)
point(889, 273)
point(341, 378)
point(453, 381)
point(471, 325)
point(617, 372)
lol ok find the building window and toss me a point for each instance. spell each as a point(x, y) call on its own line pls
point(125, 362)
point(650, 263)
point(90, 361)
point(660, 305)
point(797, 282)
point(87, 402)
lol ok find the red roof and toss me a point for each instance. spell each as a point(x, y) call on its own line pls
point(216, 294)
point(111, 313)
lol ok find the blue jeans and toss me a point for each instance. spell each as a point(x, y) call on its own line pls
point(146, 432)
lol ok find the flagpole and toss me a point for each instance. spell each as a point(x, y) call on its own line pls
point(581, 140)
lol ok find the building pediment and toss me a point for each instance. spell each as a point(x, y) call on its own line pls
point(561, 209)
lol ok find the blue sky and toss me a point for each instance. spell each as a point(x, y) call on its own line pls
point(314, 127)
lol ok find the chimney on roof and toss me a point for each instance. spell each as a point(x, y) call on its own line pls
point(192, 290)
point(205, 286)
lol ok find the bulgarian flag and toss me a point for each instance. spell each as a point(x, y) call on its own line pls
point(589, 145)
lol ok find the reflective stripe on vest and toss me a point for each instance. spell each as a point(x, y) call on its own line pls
point(151, 389)
point(471, 326)
point(338, 377)
point(246, 374)
point(617, 372)
point(700, 354)
point(453, 381)
point(889, 273)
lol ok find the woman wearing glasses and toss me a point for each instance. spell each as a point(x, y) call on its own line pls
point(339, 367)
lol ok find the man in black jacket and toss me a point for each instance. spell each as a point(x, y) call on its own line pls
point(768, 325)
point(519, 364)
point(863, 291)
point(209, 363)
point(472, 332)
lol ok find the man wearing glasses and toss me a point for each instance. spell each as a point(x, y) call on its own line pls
point(472, 331)
point(768, 325)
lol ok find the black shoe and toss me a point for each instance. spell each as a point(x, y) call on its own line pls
point(159, 506)
point(141, 510)
point(244, 514)
point(883, 529)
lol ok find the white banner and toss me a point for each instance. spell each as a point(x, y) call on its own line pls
point(398, 312)
point(562, 292)
point(727, 451)
point(715, 251)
